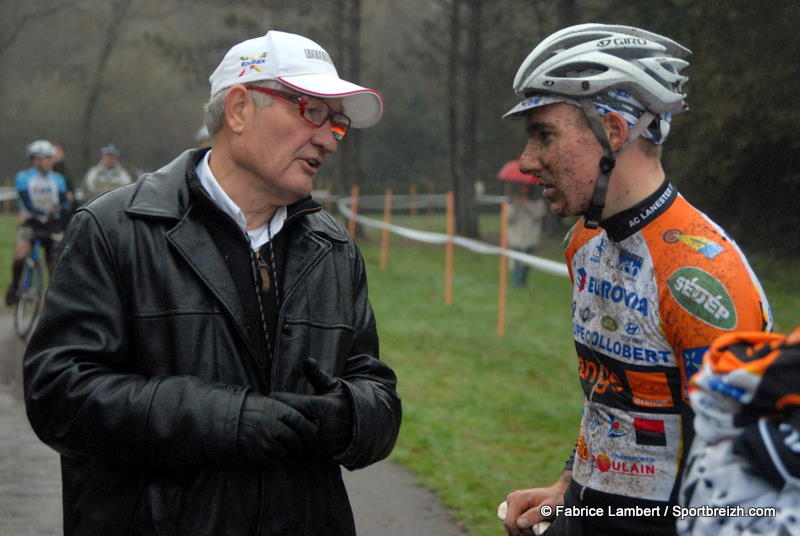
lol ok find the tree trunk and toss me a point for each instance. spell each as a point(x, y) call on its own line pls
point(350, 149)
point(466, 209)
point(453, 130)
point(118, 15)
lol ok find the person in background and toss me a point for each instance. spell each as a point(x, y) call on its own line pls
point(43, 205)
point(106, 174)
point(525, 218)
point(655, 281)
point(207, 357)
point(60, 167)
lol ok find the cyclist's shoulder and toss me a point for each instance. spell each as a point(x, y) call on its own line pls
point(24, 175)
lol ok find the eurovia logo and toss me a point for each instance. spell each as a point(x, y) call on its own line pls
point(701, 295)
point(250, 62)
point(580, 281)
point(704, 245)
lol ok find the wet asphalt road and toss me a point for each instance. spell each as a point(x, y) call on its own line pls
point(386, 501)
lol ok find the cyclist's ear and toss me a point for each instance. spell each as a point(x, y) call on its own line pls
point(616, 129)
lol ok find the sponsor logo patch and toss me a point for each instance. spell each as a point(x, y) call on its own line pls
point(609, 323)
point(252, 63)
point(599, 375)
point(701, 295)
point(610, 291)
point(693, 360)
point(622, 464)
point(650, 432)
point(649, 389)
point(704, 245)
point(630, 263)
point(317, 54)
point(598, 250)
point(632, 329)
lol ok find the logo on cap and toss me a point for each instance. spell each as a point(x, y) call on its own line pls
point(317, 54)
point(249, 62)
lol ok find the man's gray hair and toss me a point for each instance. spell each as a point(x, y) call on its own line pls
point(215, 107)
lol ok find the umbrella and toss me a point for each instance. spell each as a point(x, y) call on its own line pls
point(510, 172)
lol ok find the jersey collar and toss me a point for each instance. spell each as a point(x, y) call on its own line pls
point(628, 222)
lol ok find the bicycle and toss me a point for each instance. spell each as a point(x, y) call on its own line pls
point(30, 291)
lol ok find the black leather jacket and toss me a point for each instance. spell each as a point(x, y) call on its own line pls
point(138, 368)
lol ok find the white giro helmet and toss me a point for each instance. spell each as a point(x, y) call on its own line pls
point(582, 62)
point(587, 59)
point(41, 148)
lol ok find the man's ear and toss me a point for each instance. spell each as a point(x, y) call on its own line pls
point(238, 107)
point(616, 129)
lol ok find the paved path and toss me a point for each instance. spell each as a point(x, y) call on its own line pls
point(386, 502)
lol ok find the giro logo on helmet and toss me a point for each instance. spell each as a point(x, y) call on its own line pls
point(621, 41)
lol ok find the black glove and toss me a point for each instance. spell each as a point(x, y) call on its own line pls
point(269, 430)
point(330, 407)
point(772, 447)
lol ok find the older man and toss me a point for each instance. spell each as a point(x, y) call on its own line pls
point(208, 356)
point(654, 279)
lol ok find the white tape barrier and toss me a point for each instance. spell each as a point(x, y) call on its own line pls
point(7, 194)
point(424, 201)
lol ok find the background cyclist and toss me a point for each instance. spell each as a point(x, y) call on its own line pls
point(43, 203)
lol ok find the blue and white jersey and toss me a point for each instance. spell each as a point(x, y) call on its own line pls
point(40, 195)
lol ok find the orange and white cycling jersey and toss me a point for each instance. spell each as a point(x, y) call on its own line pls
point(653, 287)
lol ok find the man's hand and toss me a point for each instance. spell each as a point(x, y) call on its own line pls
point(270, 430)
point(525, 507)
point(330, 407)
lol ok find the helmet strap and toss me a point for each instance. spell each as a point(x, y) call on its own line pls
point(609, 158)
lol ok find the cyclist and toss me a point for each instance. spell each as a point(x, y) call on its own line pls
point(44, 207)
point(106, 174)
point(655, 280)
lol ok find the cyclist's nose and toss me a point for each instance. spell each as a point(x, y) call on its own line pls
point(530, 161)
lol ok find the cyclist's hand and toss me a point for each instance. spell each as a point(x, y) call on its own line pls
point(525, 508)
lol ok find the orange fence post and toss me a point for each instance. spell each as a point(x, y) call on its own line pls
point(413, 199)
point(448, 251)
point(351, 225)
point(501, 300)
point(387, 219)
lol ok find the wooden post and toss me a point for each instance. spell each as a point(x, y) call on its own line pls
point(413, 199)
point(501, 300)
point(448, 251)
point(351, 225)
point(387, 219)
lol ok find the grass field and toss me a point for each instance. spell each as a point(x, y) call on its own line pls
point(482, 415)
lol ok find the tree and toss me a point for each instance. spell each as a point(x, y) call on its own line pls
point(119, 12)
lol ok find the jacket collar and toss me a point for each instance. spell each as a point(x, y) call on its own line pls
point(166, 194)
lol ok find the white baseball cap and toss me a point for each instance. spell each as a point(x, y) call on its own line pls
point(300, 64)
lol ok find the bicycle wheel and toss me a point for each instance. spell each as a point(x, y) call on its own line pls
point(31, 287)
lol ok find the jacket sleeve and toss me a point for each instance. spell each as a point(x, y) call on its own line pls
point(371, 385)
point(82, 394)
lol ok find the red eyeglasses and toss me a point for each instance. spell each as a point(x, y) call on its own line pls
point(315, 111)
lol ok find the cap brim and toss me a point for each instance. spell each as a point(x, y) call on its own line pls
point(363, 106)
point(535, 101)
